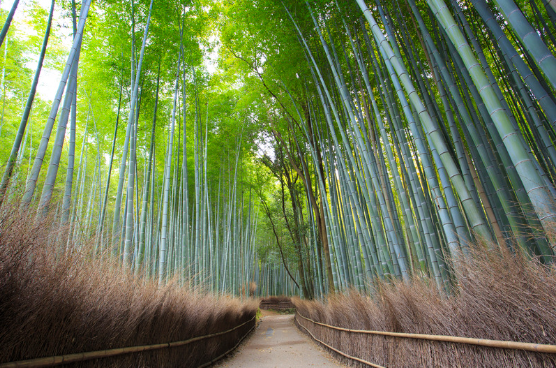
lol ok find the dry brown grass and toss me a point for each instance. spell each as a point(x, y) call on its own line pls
point(499, 297)
point(55, 303)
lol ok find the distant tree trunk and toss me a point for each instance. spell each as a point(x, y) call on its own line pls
point(143, 215)
point(71, 154)
point(163, 250)
point(319, 215)
point(133, 124)
point(109, 174)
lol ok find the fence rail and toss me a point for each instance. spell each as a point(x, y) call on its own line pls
point(537, 348)
point(336, 350)
point(79, 357)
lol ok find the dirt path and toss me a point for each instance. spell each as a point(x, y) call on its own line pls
point(278, 343)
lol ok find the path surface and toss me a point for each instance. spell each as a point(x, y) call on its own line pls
point(278, 343)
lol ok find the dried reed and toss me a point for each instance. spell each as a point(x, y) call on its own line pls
point(55, 302)
point(497, 296)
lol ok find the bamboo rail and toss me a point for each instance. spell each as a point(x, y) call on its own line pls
point(338, 351)
point(537, 348)
point(79, 357)
point(229, 351)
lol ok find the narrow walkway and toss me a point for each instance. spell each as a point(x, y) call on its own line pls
point(278, 343)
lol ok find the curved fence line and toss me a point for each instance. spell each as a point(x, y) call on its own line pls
point(229, 351)
point(538, 348)
point(79, 357)
point(338, 351)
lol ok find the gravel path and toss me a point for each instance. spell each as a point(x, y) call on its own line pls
point(278, 343)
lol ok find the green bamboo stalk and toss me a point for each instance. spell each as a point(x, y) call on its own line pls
point(529, 38)
point(41, 151)
point(530, 177)
point(27, 110)
point(133, 124)
point(52, 171)
point(8, 22)
point(162, 258)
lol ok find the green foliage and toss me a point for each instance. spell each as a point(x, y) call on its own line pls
point(334, 166)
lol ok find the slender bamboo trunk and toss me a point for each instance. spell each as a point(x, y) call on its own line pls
point(8, 22)
point(41, 151)
point(27, 110)
point(163, 250)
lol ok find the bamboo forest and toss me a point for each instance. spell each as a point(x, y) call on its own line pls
point(376, 176)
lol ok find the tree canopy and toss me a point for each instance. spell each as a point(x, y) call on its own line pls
point(309, 146)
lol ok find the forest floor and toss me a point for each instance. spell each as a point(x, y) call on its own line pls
point(278, 343)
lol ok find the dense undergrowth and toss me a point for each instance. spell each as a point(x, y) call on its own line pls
point(55, 302)
point(497, 296)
